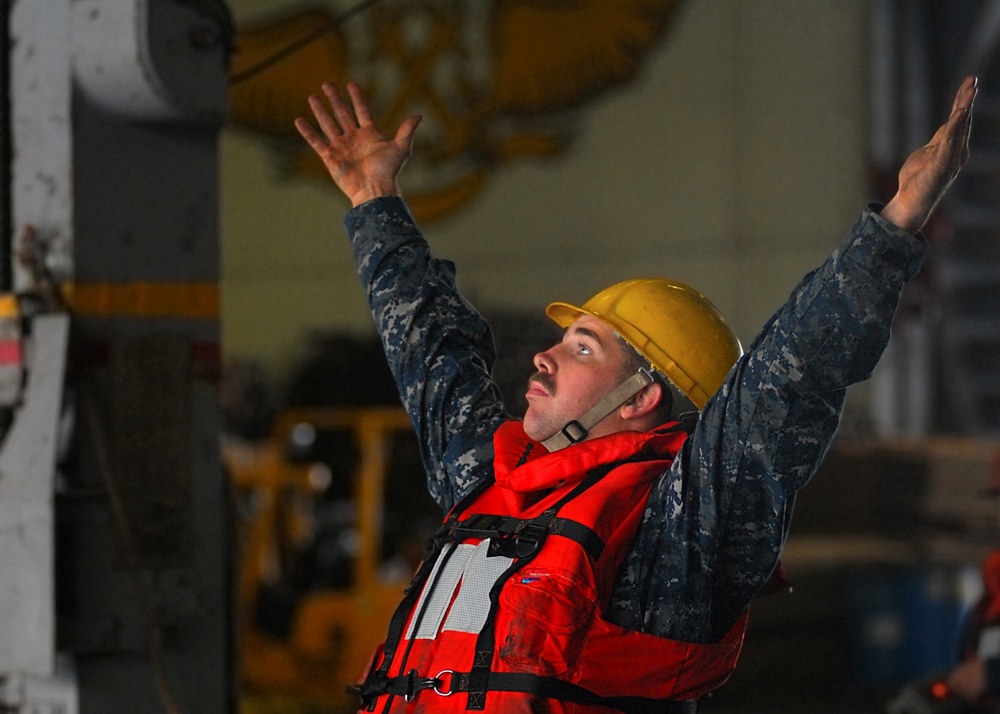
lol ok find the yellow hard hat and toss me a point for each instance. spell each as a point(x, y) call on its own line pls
point(672, 325)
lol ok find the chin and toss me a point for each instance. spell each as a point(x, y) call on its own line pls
point(531, 429)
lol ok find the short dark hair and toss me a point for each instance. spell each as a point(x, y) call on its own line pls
point(635, 362)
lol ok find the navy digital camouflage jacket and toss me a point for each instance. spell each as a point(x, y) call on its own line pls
point(715, 522)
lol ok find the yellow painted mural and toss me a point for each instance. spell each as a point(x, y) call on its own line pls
point(494, 81)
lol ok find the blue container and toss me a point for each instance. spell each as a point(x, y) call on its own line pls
point(906, 624)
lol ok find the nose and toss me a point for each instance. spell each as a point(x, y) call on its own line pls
point(544, 362)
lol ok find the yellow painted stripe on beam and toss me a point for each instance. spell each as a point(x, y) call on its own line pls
point(192, 301)
point(8, 305)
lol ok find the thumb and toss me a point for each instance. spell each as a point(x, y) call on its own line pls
point(404, 135)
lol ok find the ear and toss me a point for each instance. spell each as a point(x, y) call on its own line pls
point(643, 403)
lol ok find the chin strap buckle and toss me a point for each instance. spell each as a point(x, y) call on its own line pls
point(574, 432)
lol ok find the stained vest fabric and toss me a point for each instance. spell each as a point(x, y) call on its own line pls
point(507, 614)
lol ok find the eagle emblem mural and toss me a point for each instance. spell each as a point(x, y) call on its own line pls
point(494, 80)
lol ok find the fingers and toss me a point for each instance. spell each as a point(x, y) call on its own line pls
point(960, 120)
point(326, 123)
point(950, 144)
point(342, 119)
point(339, 118)
point(341, 112)
point(404, 135)
point(966, 94)
point(312, 137)
point(970, 88)
point(361, 108)
point(329, 125)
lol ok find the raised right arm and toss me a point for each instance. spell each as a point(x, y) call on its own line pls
point(439, 348)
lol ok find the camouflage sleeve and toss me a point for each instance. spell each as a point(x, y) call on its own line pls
point(715, 524)
point(439, 348)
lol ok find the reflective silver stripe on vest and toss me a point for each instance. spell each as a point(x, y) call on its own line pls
point(470, 574)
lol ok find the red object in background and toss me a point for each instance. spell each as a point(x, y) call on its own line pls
point(939, 690)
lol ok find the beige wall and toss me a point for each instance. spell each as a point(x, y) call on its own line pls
point(735, 163)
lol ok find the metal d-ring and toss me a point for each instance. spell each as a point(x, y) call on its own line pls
point(440, 682)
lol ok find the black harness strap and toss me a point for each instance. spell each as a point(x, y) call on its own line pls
point(553, 688)
point(508, 533)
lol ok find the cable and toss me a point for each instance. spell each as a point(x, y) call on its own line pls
point(306, 39)
point(124, 529)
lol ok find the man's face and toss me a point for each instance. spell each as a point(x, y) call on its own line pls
point(572, 376)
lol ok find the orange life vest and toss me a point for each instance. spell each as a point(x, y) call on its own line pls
point(507, 612)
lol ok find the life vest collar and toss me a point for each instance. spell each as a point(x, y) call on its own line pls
point(524, 466)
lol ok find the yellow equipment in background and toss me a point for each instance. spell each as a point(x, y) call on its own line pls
point(334, 516)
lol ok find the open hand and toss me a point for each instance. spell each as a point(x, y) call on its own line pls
point(929, 170)
point(968, 679)
point(361, 161)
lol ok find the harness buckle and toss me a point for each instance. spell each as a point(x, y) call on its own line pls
point(415, 683)
point(368, 692)
point(530, 539)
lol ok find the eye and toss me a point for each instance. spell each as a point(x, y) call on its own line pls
point(584, 349)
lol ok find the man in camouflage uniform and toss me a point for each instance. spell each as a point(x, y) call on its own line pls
point(714, 522)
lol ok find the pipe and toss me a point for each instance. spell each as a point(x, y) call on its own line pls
point(6, 153)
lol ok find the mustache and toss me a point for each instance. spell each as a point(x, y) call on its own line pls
point(547, 381)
